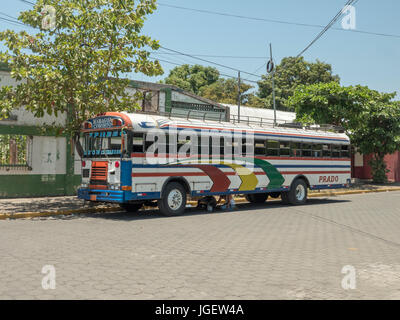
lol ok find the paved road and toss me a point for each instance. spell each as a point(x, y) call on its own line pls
point(268, 251)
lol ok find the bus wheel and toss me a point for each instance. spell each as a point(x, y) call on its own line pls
point(173, 200)
point(131, 207)
point(298, 192)
point(257, 197)
point(285, 197)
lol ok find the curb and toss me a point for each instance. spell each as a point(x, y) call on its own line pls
point(22, 215)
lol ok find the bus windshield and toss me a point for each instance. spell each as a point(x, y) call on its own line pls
point(102, 144)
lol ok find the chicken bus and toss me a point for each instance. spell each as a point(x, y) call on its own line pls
point(135, 159)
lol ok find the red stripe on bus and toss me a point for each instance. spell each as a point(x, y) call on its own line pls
point(168, 174)
point(313, 172)
point(302, 158)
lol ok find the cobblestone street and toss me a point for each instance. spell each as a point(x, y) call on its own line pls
point(268, 251)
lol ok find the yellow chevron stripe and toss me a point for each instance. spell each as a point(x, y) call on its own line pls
point(249, 179)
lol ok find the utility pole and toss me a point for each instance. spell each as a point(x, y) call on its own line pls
point(271, 69)
point(239, 96)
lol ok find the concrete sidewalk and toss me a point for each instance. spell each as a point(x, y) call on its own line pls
point(36, 207)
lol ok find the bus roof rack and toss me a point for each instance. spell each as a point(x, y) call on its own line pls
point(318, 127)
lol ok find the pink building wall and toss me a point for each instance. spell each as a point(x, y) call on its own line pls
point(364, 172)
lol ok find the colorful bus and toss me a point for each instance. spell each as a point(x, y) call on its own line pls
point(136, 159)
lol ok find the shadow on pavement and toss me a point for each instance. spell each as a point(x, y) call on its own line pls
point(154, 213)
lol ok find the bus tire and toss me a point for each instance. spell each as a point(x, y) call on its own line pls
point(131, 207)
point(298, 192)
point(285, 197)
point(173, 200)
point(257, 197)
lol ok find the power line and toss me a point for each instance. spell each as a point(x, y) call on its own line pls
point(327, 27)
point(27, 2)
point(212, 62)
point(179, 64)
point(276, 21)
point(212, 56)
point(13, 22)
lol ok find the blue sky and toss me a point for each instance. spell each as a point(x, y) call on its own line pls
point(357, 58)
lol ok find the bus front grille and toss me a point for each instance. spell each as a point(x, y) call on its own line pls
point(99, 174)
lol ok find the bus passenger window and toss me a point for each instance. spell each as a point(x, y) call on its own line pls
point(137, 143)
point(317, 150)
point(284, 149)
point(272, 148)
point(336, 151)
point(259, 148)
point(306, 150)
point(345, 152)
point(326, 150)
point(295, 149)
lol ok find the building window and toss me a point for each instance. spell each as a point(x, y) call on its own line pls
point(15, 151)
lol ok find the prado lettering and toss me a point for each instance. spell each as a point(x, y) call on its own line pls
point(329, 179)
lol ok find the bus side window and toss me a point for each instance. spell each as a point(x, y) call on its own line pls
point(326, 150)
point(272, 148)
point(295, 149)
point(317, 150)
point(345, 153)
point(260, 148)
point(306, 150)
point(336, 151)
point(137, 142)
point(247, 147)
point(284, 149)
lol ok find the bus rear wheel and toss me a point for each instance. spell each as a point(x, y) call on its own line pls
point(297, 194)
point(257, 197)
point(173, 200)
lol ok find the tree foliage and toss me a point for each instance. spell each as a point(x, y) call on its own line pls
point(192, 78)
point(289, 74)
point(226, 91)
point(370, 118)
point(76, 64)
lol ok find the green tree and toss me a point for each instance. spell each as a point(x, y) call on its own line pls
point(289, 74)
point(75, 60)
point(192, 78)
point(370, 118)
point(226, 91)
